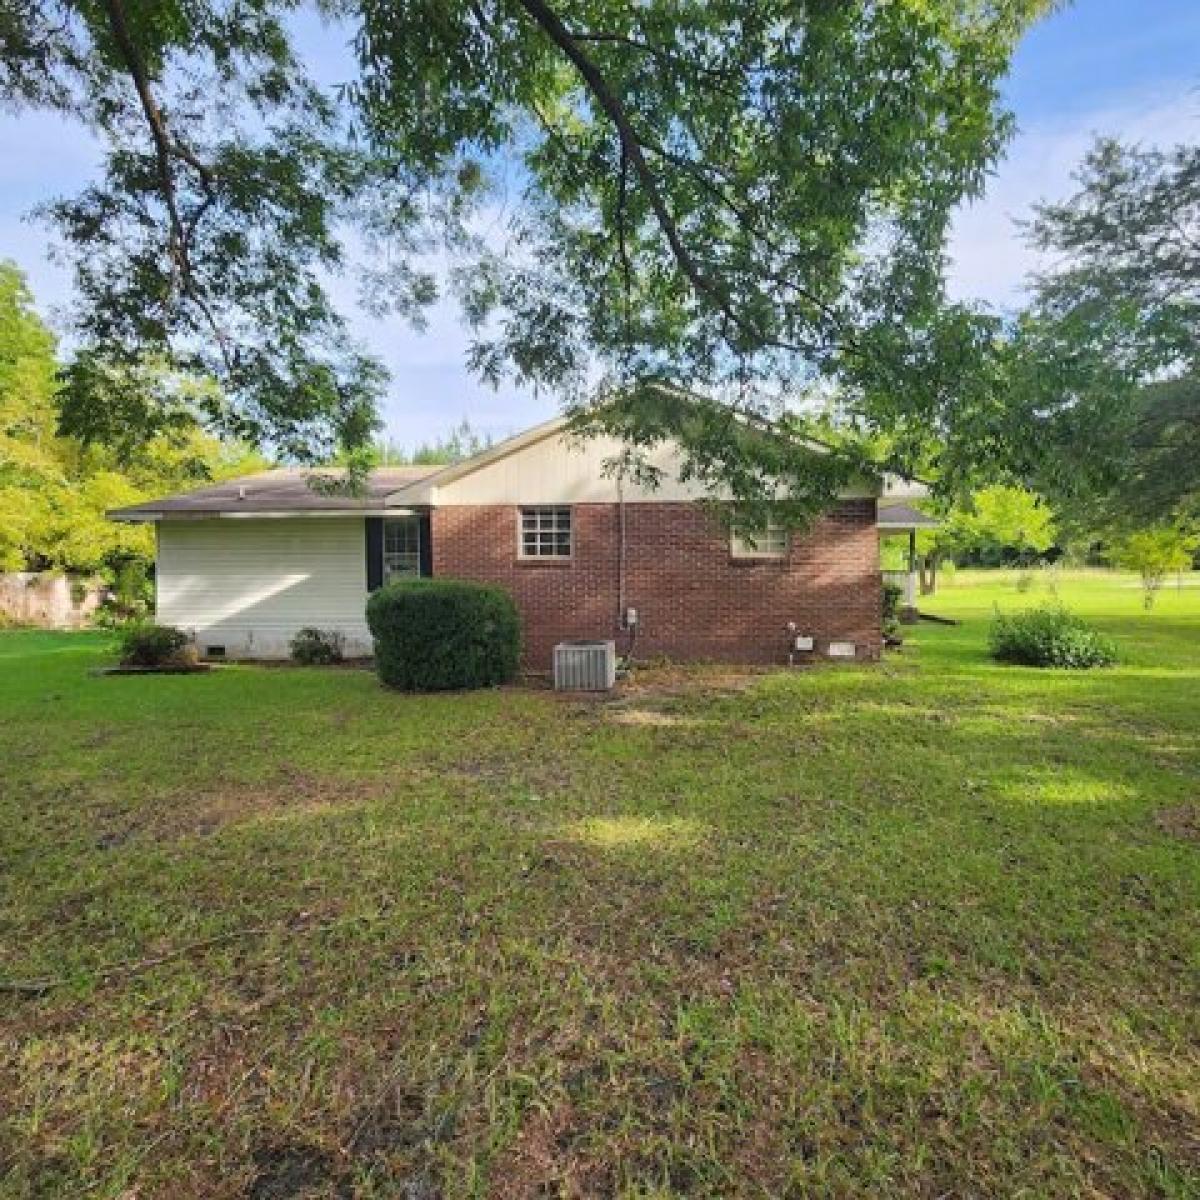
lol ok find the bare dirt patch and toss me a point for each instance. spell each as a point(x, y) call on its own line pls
point(692, 680)
point(655, 718)
point(290, 1173)
point(207, 812)
point(1181, 821)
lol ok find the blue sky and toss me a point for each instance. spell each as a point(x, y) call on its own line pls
point(1125, 67)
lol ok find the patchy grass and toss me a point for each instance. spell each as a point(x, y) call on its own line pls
point(925, 929)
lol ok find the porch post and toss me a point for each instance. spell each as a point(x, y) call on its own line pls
point(908, 609)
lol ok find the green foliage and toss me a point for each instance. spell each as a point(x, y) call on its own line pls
point(130, 596)
point(892, 594)
point(55, 490)
point(749, 199)
point(1155, 553)
point(205, 242)
point(1008, 518)
point(27, 457)
point(313, 647)
point(438, 634)
point(1050, 636)
point(996, 523)
point(1107, 359)
point(149, 645)
point(462, 442)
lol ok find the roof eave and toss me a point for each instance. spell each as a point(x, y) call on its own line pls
point(145, 516)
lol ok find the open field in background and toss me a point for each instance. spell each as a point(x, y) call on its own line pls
point(924, 929)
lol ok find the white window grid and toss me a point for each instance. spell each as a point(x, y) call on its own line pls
point(401, 548)
point(771, 542)
point(545, 532)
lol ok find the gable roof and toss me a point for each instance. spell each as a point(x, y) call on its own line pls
point(285, 490)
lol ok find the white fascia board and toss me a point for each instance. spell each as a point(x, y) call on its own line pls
point(306, 516)
point(285, 515)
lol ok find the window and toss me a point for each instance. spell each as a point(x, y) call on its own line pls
point(401, 548)
point(545, 533)
point(771, 542)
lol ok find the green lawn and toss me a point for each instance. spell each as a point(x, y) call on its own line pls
point(923, 929)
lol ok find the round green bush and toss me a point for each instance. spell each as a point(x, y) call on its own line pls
point(145, 645)
point(313, 647)
point(437, 634)
point(1049, 637)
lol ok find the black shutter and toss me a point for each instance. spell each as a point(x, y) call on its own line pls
point(374, 553)
point(425, 544)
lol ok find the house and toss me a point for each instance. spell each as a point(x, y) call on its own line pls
point(244, 564)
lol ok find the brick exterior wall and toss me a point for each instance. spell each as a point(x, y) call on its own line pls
point(694, 600)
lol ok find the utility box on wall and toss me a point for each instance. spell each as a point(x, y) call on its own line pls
point(585, 666)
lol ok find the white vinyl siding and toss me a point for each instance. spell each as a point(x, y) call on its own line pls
point(249, 585)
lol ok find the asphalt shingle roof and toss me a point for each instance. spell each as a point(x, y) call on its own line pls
point(284, 490)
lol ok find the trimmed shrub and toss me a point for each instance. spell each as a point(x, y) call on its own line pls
point(151, 645)
point(892, 592)
point(437, 634)
point(313, 647)
point(1049, 637)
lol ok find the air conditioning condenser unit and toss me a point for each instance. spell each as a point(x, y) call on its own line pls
point(585, 666)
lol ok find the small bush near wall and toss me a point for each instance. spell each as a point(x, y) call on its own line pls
point(152, 645)
point(317, 647)
point(437, 634)
point(893, 593)
point(1049, 637)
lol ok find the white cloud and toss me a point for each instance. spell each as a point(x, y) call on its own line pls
point(990, 260)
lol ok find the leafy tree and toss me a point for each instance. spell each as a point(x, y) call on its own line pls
point(463, 441)
point(1108, 357)
point(748, 200)
point(54, 490)
point(996, 522)
point(28, 461)
point(1155, 553)
point(1001, 519)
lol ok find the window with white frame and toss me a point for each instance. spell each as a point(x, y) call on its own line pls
point(545, 532)
point(771, 542)
point(401, 548)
